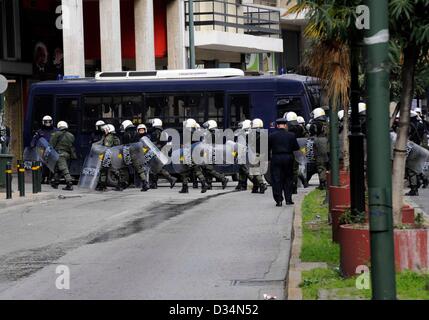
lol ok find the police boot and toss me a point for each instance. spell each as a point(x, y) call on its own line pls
point(255, 189)
point(101, 187)
point(68, 187)
point(145, 186)
point(55, 184)
point(240, 187)
point(262, 188)
point(204, 187)
point(153, 185)
point(195, 184)
point(224, 183)
point(413, 192)
point(172, 181)
point(184, 188)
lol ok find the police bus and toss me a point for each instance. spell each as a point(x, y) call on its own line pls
point(224, 95)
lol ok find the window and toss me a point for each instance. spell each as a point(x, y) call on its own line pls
point(288, 104)
point(239, 108)
point(68, 110)
point(173, 109)
point(111, 109)
point(10, 27)
point(216, 108)
point(42, 106)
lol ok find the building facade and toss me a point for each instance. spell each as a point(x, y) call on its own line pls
point(47, 39)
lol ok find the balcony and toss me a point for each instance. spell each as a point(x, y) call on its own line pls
point(229, 26)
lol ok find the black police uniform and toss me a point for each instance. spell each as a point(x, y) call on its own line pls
point(281, 145)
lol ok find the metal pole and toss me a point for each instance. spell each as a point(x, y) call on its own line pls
point(34, 175)
point(8, 173)
point(39, 176)
point(334, 147)
point(356, 141)
point(21, 178)
point(378, 146)
point(191, 35)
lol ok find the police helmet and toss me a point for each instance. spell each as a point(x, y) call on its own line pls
point(141, 126)
point(362, 107)
point(318, 112)
point(47, 121)
point(156, 122)
point(210, 125)
point(300, 120)
point(62, 125)
point(99, 124)
point(257, 124)
point(126, 124)
point(340, 115)
point(245, 125)
point(190, 124)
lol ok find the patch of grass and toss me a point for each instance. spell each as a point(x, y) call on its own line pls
point(317, 245)
point(409, 285)
point(316, 279)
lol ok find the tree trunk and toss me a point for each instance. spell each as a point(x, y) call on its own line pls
point(399, 154)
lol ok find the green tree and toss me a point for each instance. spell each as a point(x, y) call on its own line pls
point(409, 30)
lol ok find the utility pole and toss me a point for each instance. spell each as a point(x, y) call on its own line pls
point(356, 139)
point(334, 146)
point(191, 35)
point(378, 145)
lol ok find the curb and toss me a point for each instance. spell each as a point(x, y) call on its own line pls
point(26, 200)
point(294, 292)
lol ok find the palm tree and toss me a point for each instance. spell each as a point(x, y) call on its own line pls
point(331, 30)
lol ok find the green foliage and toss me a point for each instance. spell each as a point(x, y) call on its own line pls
point(409, 285)
point(317, 245)
point(349, 218)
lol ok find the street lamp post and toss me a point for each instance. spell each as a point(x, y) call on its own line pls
point(191, 35)
point(378, 145)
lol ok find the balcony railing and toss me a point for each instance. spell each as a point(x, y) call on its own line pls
point(231, 16)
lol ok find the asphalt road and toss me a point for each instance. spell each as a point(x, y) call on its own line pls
point(154, 245)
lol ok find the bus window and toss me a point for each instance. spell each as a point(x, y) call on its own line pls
point(288, 104)
point(174, 109)
point(132, 109)
point(215, 107)
point(42, 106)
point(239, 109)
point(68, 110)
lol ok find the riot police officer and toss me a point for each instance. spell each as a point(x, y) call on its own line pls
point(109, 140)
point(319, 132)
point(208, 169)
point(362, 116)
point(298, 130)
point(259, 185)
point(98, 134)
point(340, 121)
point(45, 131)
point(63, 142)
point(191, 168)
point(156, 138)
point(417, 129)
point(301, 122)
point(131, 136)
point(142, 130)
point(243, 169)
point(281, 145)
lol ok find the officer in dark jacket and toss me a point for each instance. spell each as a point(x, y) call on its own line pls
point(281, 145)
point(63, 142)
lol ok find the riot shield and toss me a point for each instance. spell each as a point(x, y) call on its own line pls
point(417, 157)
point(44, 152)
point(320, 148)
point(300, 155)
point(91, 167)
